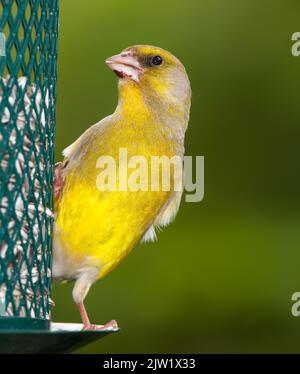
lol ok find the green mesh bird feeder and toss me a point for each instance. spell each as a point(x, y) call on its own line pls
point(28, 65)
point(27, 112)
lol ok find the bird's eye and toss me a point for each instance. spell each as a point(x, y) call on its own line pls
point(156, 60)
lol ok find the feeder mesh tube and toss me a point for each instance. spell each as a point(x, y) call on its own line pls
point(27, 113)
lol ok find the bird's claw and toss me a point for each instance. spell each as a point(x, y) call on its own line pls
point(111, 325)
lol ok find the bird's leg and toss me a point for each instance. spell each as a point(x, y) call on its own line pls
point(80, 290)
point(83, 314)
point(86, 322)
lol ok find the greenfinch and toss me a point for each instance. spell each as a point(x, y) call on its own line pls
point(95, 230)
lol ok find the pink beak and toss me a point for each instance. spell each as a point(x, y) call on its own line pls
point(125, 65)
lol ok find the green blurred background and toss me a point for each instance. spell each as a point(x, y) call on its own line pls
point(220, 278)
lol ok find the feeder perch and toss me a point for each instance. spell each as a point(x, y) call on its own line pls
point(28, 65)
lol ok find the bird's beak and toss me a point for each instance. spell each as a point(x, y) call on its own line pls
point(125, 65)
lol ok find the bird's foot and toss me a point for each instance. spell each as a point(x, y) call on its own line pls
point(111, 325)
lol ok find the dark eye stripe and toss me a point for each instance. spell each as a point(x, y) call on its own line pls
point(147, 61)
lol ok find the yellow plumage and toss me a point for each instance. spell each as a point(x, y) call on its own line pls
point(96, 230)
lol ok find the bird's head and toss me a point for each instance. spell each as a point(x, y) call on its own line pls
point(159, 75)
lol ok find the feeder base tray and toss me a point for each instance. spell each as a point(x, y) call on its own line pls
point(60, 338)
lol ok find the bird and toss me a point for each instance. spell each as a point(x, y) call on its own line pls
point(95, 230)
